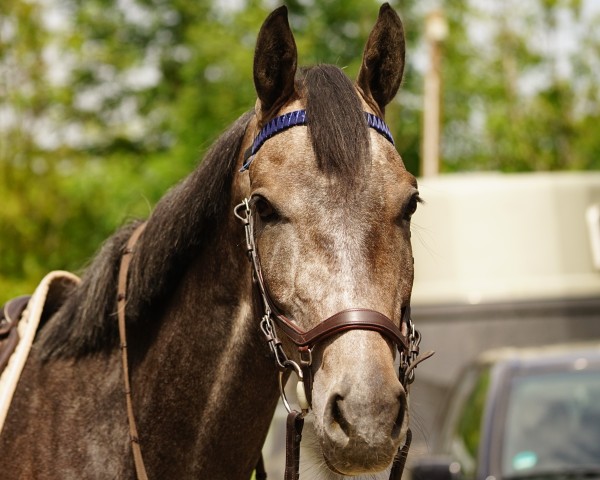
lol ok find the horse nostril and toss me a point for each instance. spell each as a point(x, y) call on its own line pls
point(337, 415)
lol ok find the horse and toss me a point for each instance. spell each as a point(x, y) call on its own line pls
point(314, 176)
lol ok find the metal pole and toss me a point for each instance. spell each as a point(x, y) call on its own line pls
point(436, 30)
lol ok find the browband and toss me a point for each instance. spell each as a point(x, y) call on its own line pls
point(298, 117)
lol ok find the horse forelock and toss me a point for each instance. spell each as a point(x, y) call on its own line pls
point(336, 122)
point(182, 222)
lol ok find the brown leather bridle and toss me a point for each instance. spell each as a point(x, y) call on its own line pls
point(406, 339)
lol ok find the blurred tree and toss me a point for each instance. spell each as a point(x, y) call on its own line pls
point(106, 103)
point(518, 96)
point(32, 210)
point(112, 101)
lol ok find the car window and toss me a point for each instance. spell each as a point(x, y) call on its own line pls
point(552, 422)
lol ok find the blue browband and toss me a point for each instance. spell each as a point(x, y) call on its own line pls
point(292, 119)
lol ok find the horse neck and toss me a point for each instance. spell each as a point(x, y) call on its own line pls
point(204, 385)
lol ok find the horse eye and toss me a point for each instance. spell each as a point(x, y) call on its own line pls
point(411, 207)
point(264, 209)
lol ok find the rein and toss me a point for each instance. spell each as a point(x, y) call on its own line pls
point(140, 469)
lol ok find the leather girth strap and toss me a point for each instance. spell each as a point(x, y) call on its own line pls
point(121, 302)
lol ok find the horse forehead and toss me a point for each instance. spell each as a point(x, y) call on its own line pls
point(287, 162)
point(288, 151)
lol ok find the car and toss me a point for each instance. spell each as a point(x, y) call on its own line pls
point(521, 414)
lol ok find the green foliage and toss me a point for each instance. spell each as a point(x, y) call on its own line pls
point(510, 103)
point(105, 104)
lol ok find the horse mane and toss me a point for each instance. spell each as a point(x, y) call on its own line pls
point(176, 230)
point(185, 217)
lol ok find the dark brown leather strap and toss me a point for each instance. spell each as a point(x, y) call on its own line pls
point(293, 436)
point(352, 319)
point(121, 302)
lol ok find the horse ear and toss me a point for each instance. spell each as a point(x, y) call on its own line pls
point(275, 60)
point(383, 59)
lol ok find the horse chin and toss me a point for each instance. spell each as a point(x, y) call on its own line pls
point(357, 461)
point(356, 457)
point(317, 456)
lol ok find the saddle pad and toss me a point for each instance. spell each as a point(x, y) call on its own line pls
point(51, 291)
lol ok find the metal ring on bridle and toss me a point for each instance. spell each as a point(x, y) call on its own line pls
point(301, 393)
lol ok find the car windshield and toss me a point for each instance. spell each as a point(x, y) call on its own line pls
point(553, 425)
point(566, 473)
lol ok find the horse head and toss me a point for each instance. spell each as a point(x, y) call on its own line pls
point(331, 205)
